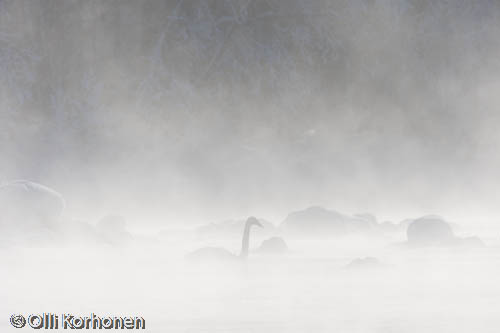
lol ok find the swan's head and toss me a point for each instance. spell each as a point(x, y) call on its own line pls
point(253, 221)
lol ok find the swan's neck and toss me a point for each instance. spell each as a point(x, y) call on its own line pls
point(245, 241)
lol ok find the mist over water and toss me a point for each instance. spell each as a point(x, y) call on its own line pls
point(134, 133)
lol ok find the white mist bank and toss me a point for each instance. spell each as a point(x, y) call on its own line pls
point(432, 290)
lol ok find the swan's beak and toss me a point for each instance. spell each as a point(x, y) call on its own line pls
point(259, 224)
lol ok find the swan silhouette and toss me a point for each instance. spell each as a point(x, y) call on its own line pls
point(218, 253)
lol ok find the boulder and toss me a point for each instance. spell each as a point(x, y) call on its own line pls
point(28, 205)
point(429, 231)
point(467, 242)
point(317, 221)
point(273, 245)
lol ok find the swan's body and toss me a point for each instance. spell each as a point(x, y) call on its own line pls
point(218, 253)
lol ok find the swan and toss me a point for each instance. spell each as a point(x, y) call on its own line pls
point(218, 253)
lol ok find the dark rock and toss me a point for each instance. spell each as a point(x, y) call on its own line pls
point(274, 245)
point(316, 221)
point(320, 222)
point(429, 231)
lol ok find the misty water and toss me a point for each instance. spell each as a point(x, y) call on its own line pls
point(134, 134)
point(310, 289)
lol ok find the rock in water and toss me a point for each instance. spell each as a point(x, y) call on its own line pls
point(468, 242)
point(472, 242)
point(365, 263)
point(274, 245)
point(28, 205)
point(429, 231)
point(316, 221)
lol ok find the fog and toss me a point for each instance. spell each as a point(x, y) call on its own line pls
point(363, 136)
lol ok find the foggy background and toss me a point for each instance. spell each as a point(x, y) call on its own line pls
point(149, 131)
point(187, 111)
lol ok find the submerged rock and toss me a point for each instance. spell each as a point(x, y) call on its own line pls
point(365, 263)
